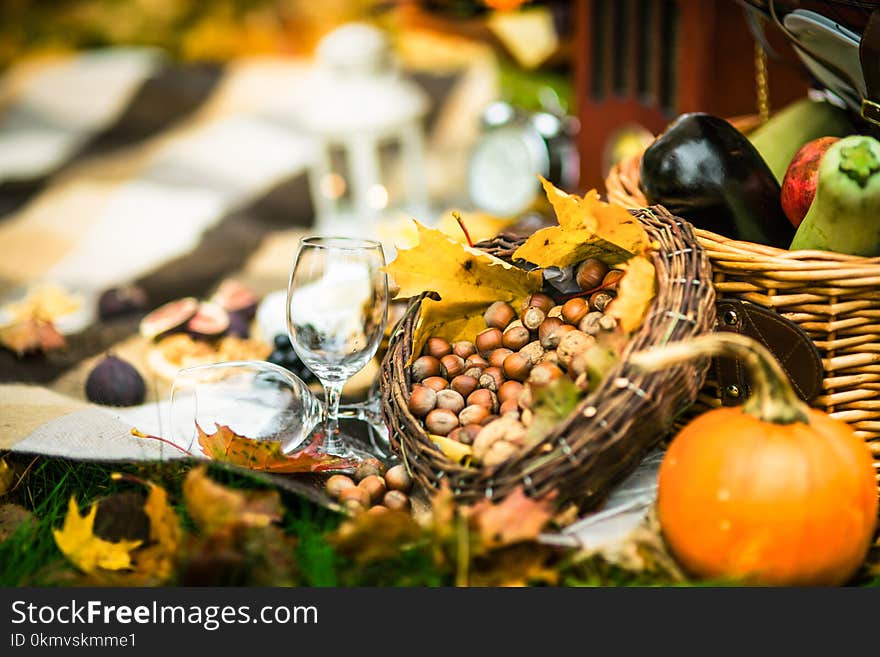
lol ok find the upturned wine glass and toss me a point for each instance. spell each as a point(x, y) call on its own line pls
point(337, 307)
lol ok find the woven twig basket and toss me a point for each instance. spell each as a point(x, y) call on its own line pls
point(834, 297)
point(612, 428)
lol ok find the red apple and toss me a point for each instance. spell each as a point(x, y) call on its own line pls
point(801, 177)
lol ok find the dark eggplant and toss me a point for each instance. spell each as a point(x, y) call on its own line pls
point(704, 170)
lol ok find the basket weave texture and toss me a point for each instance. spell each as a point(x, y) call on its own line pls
point(611, 429)
point(834, 297)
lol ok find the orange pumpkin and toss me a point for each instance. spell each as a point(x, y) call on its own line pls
point(771, 492)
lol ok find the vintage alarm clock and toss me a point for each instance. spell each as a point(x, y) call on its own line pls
point(514, 148)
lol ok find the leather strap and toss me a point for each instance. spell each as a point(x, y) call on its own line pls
point(787, 341)
point(869, 56)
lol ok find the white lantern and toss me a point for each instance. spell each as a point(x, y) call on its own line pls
point(368, 122)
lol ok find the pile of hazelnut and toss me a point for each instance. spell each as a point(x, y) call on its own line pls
point(479, 393)
point(372, 489)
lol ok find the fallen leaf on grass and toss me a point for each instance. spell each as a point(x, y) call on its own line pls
point(635, 292)
point(518, 565)
point(515, 519)
point(370, 537)
point(265, 455)
point(31, 335)
point(467, 280)
point(12, 517)
point(588, 228)
point(214, 507)
point(86, 551)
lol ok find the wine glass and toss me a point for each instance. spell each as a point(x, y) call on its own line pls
point(337, 306)
point(255, 399)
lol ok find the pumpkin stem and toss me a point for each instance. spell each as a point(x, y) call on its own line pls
point(772, 399)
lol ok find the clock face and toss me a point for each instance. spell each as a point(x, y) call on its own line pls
point(504, 168)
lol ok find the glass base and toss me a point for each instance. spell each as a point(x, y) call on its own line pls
point(345, 447)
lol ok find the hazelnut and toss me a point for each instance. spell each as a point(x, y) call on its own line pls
point(474, 373)
point(396, 501)
point(454, 434)
point(510, 390)
point(550, 356)
point(422, 400)
point(555, 311)
point(464, 348)
point(367, 467)
point(525, 398)
point(496, 358)
point(492, 378)
point(436, 383)
point(590, 323)
point(441, 421)
point(510, 406)
point(437, 347)
point(590, 272)
point(451, 400)
point(397, 478)
point(488, 340)
point(517, 367)
point(483, 397)
point(354, 506)
point(526, 417)
point(532, 317)
point(516, 338)
point(499, 315)
point(336, 484)
point(453, 364)
point(489, 419)
point(475, 360)
point(574, 310)
point(469, 433)
point(544, 373)
point(573, 343)
point(361, 495)
point(541, 301)
point(612, 278)
point(607, 323)
point(599, 300)
point(464, 384)
point(425, 366)
point(547, 332)
point(377, 510)
point(473, 414)
point(375, 487)
point(533, 351)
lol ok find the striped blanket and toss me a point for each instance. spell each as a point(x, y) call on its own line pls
point(121, 166)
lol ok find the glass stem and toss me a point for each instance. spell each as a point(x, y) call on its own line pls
point(332, 393)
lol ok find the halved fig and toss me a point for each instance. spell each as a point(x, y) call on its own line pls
point(209, 321)
point(234, 297)
point(172, 315)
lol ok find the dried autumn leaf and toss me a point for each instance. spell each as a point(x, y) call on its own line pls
point(264, 455)
point(515, 519)
point(467, 280)
point(158, 558)
point(214, 507)
point(78, 543)
point(517, 565)
point(452, 449)
point(7, 477)
point(31, 335)
point(588, 228)
point(370, 537)
point(635, 292)
point(550, 404)
point(12, 518)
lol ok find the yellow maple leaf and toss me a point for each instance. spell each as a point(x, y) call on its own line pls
point(165, 534)
point(7, 475)
point(588, 228)
point(635, 292)
point(214, 507)
point(467, 280)
point(86, 551)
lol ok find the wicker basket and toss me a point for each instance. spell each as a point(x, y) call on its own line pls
point(610, 430)
point(835, 298)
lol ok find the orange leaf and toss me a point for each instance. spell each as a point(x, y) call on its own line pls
point(214, 507)
point(515, 519)
point(227, 446)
